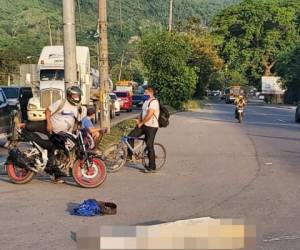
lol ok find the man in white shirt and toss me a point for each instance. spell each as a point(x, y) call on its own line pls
point(61, 115)
point(147, 124)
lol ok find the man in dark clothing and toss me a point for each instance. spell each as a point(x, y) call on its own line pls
point(147, 124)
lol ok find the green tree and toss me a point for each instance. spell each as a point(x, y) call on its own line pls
point(166, 56)
point(289, 69)
point(222, 79)
point(204, 58)
point(252, 35)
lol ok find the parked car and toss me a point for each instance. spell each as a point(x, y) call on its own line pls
point(18, 98)
point(125, 99)
point(297, 113)
point(138, 100)
point(115, 107)
point(4, 115)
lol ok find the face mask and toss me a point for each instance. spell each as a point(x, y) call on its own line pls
point(146, 97)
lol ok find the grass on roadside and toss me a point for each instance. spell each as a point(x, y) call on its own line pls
point(194, 104)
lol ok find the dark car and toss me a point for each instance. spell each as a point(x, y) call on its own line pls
point(138, 100)
point(297, 113)
point(4, 114)
point(18, 98)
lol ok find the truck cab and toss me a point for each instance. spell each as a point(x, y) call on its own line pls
point(51, 79)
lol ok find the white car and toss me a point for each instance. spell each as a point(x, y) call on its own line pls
point(116, 103)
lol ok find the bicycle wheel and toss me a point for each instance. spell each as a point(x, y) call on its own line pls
point(160, 156)
point(115, 157)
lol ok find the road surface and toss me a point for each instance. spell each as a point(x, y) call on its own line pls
point(215, 168)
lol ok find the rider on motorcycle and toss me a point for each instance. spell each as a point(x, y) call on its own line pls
point(61, 116)
point(239, 103)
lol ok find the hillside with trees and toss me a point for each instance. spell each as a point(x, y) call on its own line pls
point(24, 25)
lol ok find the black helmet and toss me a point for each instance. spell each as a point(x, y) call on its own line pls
point(71, 91)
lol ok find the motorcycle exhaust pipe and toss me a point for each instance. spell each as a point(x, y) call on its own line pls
point(16, 156)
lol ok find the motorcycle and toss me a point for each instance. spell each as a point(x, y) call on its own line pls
point(240, 114)
point(71, 157)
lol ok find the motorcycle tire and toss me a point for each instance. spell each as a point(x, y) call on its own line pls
point(89, 178)
point(19, 175)
point(240, 118)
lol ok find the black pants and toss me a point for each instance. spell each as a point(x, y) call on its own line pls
point(40, 127)
point(149, 133)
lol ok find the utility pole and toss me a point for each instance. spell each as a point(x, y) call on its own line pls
point(79, 10)
point(121, 65)
point(103, 66)
point(50, 33)
point(121, 19)
point(70, 64)
point(170, 15)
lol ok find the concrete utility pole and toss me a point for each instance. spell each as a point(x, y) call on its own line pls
point(170, 15)
point(103, 67)
point(69, 43)
point(121, 19)
point(50, 32)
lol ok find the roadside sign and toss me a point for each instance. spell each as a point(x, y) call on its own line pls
point(272, 85)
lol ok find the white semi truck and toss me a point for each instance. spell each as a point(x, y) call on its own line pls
point(51, 79)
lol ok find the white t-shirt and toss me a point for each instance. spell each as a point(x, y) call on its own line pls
point(154, 104)
point(64, 120)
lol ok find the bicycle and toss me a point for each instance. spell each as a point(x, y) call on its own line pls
point(115, 156)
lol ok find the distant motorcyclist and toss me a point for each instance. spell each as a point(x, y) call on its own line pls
point(239, 102)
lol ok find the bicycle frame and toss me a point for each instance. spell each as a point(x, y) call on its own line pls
point(125, 140)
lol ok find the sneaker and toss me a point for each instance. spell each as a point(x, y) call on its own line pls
point(148, 170)
point(57, 180)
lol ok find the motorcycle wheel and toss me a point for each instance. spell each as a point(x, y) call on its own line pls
point(240, 118)
point(89, 177)
point(19, 175)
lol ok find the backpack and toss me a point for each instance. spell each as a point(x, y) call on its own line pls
point(164, 115)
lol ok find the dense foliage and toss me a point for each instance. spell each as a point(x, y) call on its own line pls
point(24, 24)
point(166, 57)
point(254, 34)
point(289, 68)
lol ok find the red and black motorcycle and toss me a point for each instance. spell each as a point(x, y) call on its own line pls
point(72, 157)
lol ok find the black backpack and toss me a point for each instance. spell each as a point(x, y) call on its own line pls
point(164, 115)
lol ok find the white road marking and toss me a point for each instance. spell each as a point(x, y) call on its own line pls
point(285, 237)
point(279, 120)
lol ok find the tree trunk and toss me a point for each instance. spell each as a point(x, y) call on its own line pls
point(268, 68)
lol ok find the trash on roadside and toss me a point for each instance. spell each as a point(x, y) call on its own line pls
point(92, 207)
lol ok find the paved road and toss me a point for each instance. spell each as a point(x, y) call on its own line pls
point(216, 168)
